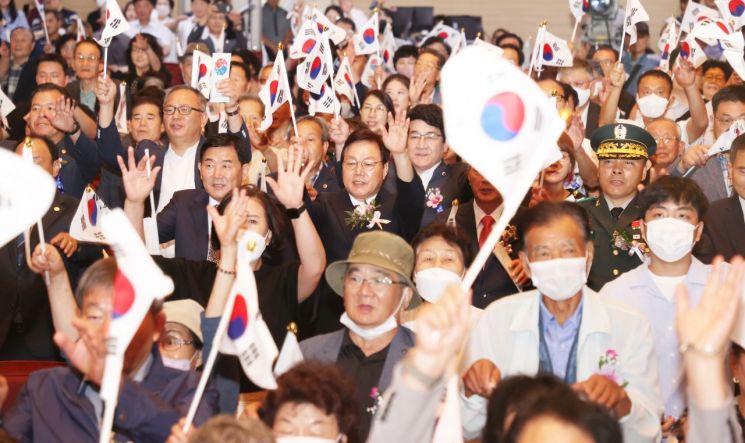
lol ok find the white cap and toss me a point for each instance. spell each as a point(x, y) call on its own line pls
point(186, 312)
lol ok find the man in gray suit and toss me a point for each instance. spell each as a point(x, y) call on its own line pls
point(374, 282)
point(712, 172)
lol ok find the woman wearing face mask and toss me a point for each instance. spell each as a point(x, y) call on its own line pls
point(557, 177)
point(181, 343)
point(313, 403)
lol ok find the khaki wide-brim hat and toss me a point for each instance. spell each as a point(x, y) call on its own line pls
point(377, 248)
point(186, 312)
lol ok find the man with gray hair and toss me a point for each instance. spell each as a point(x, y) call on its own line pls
point(580, 77)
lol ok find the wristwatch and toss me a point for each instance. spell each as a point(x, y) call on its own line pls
point(294, 213)
point(75, 128)
point(232, 113)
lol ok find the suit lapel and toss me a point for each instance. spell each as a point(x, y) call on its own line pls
point(197, 178)
point(396, 353)
point(601, 214)
point(631, 213)
point(199, 218)
point(735, 223)
point(465, 219)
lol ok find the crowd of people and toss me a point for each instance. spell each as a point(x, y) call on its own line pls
point(604, 314)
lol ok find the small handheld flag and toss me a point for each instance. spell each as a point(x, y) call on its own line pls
point(366, 39)
point(314, 70)
point(373, 62)
point(733, 12)
point(578, 8)
point(445, 32)
point(555, 51)
point(116, 24)
point(344, 83)
point(693, 14)
point(276, 92)
point(388, 48)
point(635, 13)
point(86, 224)
point(201, 73)
point(670, 43)
point(290, 354)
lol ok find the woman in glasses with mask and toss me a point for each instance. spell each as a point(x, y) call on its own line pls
point(181, 343)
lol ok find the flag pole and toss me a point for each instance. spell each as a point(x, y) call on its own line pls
point(574, 32)
point(539, 63)
point(148, 169)
point(330, 62)
point(105, 60)
point(210, 363)
point(623, 35)
point(281, 59)
point(109, 394)
point(537, 47)
point(483, 255)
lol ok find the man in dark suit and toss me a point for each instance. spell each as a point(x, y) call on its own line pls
point(724, 227)
point(498, 278)
point(52, 116)
point(185, 218)
point(374, 284)
point(314, 136)
point(217, 26)
point(580, 76)
point(365, 204)
point(184, 118)
point(623, 150)
point(26, 327)
point(443, 183)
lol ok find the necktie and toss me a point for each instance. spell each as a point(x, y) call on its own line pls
point(211, 253)
point(486, 224)
point(616, 213)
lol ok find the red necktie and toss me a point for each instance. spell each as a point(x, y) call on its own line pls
point(486, 222)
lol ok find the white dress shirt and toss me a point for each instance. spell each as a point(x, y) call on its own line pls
point(426, 176)
point(178, 173)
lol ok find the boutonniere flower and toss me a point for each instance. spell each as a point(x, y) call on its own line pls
point(508, 237)
point(377, 400)
point(434, 199)
point(365, 214)
point(608, 368)
point(631, 243)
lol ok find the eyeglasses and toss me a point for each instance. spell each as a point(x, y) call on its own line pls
point(727, 121)
point(375, 109)
point(183, 110)
point(665, 140)
point(367, 165)
point(172, 342)
point(714, 78)
point(428, 137)
point(89, 58)
point(378, 284)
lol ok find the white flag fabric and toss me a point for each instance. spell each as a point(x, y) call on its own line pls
point(86, 224)
point(724, 142)
point(498, 120)
point(635, 13)
point(343, 82)
point(388, 48)
point(314, 70)
point(373, 61)
point(120, 117)
point(695, 12)
point(579, 8)
point(710, 30)
point(449, 428)
point(289, 355)
point(116, 23)
point(366, 39)
point(665, 35)
point(733, 12)
point(305, 40)
point(555, 51)
point(462, 42)
point(336, 34)
point(247, 334)
point(671, 42)
point(734, 58)
point(220, 71)
point(496, 50)
point(81, 30)
point(445, 32)
point(201, 71)
point(692, 51)
point(275, 92)
point(26, 193)
point(6, 107)
point(324, 102)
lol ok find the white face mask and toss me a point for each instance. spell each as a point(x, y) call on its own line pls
point(670, 239)
point(561, 278)
point(583, 95)
point(163, 10)
point(182, 364)
point(431, 282)
point(304, 439)
point(254, 239)
point(652, 105)
point(368, 334)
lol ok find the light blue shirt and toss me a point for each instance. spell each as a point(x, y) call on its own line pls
point(10, 25)
point(637, 289)
point(559, 338)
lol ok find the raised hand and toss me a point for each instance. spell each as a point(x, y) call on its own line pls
point(258, 140)
point(88, 353)
point(233, 218)
point(61, 117)
point(137, 184)
point(105, 90)
point(685, 73)
point(229, 88)
point(617, 75)
point(290, 183)
point(396, 136)
point(576, 131)
point(65, 242)
point(48, 261)
point(695, 156)
point(418, 84)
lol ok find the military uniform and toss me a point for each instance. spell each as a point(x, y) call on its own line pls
point(619, 246)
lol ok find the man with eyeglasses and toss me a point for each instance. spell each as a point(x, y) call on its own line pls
point(87, 63)
point(580, 77)
point(666, 134)
point(184, 118)
point(374, 284)
point(712, 173)
point(443, 184)
point(365, 204)
point(423, 88)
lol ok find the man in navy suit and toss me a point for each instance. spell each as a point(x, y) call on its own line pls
point(426, 145)
point(184, 117)
point(314, 136)
point(476, 219)
point(185, 218)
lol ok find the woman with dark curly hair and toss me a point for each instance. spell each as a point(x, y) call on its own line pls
point(312, 399)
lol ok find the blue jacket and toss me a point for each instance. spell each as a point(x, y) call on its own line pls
point(52, 406)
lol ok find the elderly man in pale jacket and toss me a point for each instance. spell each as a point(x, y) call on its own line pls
point(603, 348)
